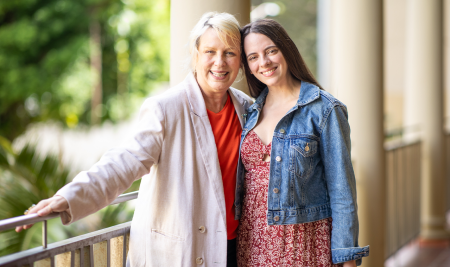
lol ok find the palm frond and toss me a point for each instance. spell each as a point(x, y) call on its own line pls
point(26, 178)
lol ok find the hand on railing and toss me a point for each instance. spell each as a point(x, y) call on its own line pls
point(45, 207)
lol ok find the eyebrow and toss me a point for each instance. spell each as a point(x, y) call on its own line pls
point(229, 48)
point(264, 50)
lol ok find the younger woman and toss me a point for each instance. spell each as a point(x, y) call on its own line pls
point(296, 193)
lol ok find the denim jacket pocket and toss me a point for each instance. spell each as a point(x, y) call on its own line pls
point(301, 156)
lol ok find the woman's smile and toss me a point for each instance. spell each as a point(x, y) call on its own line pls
point(269, 73)
point(219, 75)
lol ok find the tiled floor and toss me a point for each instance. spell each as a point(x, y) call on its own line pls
point(414, 255)
point(417, 255)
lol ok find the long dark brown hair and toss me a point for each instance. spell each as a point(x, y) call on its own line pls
point(275, 32)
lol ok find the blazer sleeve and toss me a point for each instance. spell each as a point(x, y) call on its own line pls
point(118, 168)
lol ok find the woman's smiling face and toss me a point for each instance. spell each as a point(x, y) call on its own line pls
point(217, 64)
point(265, 60)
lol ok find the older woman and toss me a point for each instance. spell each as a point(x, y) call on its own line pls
point(188, 139)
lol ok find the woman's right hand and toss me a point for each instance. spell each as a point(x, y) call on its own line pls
point(45, 207)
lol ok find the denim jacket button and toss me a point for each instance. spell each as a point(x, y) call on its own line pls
point(307, 147)
point(202, 229)
point(275, 190)
point(276, 218)
point(278, 158)
point(282, 131)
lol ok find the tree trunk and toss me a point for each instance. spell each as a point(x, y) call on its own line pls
point(96, 70)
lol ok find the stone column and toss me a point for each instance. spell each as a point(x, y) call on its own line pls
point(447, 90)
point(357, 80)
point(183, 16)
point(424, 90)
point(324, 44)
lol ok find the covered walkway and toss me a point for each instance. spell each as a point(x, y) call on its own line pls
point(417, 254)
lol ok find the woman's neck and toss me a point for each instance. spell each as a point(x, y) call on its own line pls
point(283, 93)
point(214, 101)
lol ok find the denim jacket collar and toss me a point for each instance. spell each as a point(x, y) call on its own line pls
point(308, 93)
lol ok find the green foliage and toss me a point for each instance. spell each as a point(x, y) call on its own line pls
point(39, 41)
point(45, 58)
point(28, 178)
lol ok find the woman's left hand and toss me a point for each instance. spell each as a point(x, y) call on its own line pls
point(350, 264)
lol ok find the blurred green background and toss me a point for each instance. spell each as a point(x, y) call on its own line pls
point(53, 55)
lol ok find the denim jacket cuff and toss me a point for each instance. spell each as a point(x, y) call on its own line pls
point(341, 255)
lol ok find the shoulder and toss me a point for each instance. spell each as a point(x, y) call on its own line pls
point(173, 96)
point(239, 94)
point(332, 110)
point(330, 103)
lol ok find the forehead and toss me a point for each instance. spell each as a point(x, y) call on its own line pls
point(254, 42)
point(211, 39)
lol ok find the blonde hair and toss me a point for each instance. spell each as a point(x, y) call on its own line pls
point(225, 25)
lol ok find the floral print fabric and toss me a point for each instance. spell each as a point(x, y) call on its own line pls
point(260, 244)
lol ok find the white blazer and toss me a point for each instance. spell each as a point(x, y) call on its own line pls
point(184, 191)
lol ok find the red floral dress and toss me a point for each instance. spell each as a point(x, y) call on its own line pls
point(260, 244)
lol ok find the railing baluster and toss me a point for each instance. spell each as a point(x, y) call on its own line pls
point(124, 257)
point(91, 255)
point(108, 253)
point(82, 257)
point(72, 258)
point(52, 261)
point(44, 234)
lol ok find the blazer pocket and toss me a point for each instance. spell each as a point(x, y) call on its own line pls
point(167, 235)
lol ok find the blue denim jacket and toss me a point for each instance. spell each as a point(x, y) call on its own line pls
point(311, 174)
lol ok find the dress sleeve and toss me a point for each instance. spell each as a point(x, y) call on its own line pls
point(118, 168)
point(335, 152)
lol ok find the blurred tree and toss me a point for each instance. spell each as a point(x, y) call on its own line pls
point(28, 178)
point(45, 57)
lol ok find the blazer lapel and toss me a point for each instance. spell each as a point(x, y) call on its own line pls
point(240, 105)
point(206, 141)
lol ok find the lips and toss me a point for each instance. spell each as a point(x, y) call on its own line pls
point(219, 75)
point(268, 72)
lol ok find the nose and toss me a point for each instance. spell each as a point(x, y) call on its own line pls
point(265, 61)
point(219, 61)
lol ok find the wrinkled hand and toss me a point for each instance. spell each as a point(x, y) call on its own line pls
point(45, 207)
point(350, 264)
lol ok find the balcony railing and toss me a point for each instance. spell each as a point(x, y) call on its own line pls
point(106, 247)
point(402, 194)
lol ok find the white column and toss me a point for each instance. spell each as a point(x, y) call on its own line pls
point(357, 80)
point(184, 14)
point(324, 45)
point(424, 82)
point(447, 85)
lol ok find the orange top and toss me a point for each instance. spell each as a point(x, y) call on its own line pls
point(227, 134)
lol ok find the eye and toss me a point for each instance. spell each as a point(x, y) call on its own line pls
point(209, 52)
point(230, 53)
point(272, 51)
point(251, 58)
